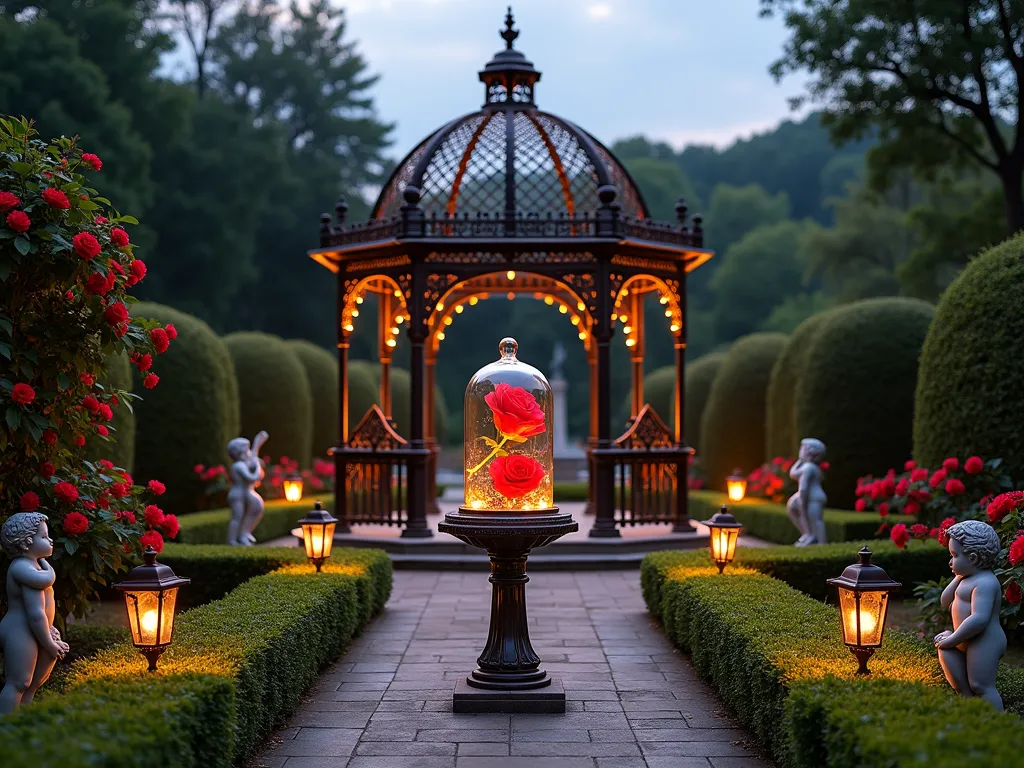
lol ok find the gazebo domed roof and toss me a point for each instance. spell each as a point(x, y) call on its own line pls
point(510, 158)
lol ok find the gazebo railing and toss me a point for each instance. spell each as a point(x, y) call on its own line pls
point(375, 464)
point(645, 473)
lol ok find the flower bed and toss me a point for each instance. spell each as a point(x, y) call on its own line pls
point(770, 522)
point(235, 671)
point(769, 650)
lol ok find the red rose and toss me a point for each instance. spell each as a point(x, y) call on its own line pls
point(515, 475)
point(860, 505)
point(75, 523)
point(172, 332)
point(516, 413)
point(919, 474)
point(116, 313)
point(105, 412)
point(825, 466)
point(1017, 551)
point(1013, 593)
point(152, 539)
point(88, 379)
point(127, 514)
point(100, 220)
point(50, 436)
point(8, 201)
point(160, 340)
point(899, 535)
point(951, 464)
point(909, 465)
point(23, 394)
point(66, 492)
point(55, 198)
point(86, 245)
point(119, 237)
point(102, 430)
point(170, 526)
point(888, 487)
point(920, 530)
point(138, 270)
point(156, 487)
point(883, 510)
point(902, 486)
point(199, 469)
point(145, 362)
point(92, 161)
point(954, 487)
point(911, 508)
point(104, 501)
point(97, 285)
point(105, 464)
point(29, 501)
point(1003, 504)
point(119, 490)
point(974, 465)
point(154, 516)
point(944, 526)
point(47, 470)
point(150, 380)
point(90, 403)
point(938, 478)
point(79, 440)
point(18, 221)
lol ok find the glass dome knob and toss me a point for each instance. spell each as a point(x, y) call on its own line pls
point(507, 348)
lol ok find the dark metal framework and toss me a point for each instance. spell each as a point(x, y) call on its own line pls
point(509, 199)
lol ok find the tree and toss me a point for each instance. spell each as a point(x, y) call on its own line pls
point(662, 183)
point(735, 211)
point(197, 20)
point(939, 80)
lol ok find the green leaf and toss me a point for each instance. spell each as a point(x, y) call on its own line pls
point(71, 546)
point(128, 219)
point(87, 205)
point(13, 417)
point(63, 382)
point(5, 350)
point(22, 168)
point(6, 325)
point(22, 245)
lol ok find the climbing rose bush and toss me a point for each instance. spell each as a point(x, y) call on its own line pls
point(66, 264)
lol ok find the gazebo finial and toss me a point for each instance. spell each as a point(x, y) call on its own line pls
point(508, 34)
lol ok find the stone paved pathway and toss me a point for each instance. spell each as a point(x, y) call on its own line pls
point(632, 702)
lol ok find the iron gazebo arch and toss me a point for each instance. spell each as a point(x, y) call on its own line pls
point(511, 192)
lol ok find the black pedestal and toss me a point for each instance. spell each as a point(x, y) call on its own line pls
point(508, 677)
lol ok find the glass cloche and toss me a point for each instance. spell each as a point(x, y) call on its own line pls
point(508, 436)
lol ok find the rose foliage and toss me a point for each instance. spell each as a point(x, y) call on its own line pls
point(66, 264)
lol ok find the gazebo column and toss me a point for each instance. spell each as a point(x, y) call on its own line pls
point(590, 508)
point(340, 465)
point(636, 350)
point(416, 526)
point(681, 512)
point(384, 314)
point(433, 444)
point(603, 468)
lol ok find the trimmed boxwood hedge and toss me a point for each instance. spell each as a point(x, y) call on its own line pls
point(190, 416)
point(322, 374)
point(363, 389)
point(969, 397)
point(732, 428)
point(769, 521)
point(274, 394)
point(401, 407)
point(857, 391)
point(236, 670)
point(120, 448)
point(700, 375)
point(279, 518)
point(781, 438)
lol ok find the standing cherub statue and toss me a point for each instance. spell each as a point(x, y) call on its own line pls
point(246, 473)
point(970, 654)
point(30, 642)
point(806, 507)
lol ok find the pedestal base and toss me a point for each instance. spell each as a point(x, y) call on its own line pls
point(549, 700)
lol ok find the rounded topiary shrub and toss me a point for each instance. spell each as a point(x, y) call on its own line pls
point(274, 394)
point(732, 428)
point(121, 447)
point(857, 391)
point(363, 389)
point(780, 435)
point(401, 406)
point(970, 398)
point(322, 373)
point(189, 418)
point(660, 393)
point(700, 375)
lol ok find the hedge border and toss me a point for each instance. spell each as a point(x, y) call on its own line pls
point(236, 670)
point(279, 518)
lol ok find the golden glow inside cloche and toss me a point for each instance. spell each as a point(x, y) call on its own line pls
point(508, 436)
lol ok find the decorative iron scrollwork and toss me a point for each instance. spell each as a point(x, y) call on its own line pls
point(374, 432)
point(648, 265)
point(646, 432)
point(437, 286)
point(367, 265)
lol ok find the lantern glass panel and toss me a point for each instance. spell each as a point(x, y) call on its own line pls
point(151, 616)
point(508, 420)
point(318, 539)
point(723, 544)
point(863, 620)
point(737, 488)
point(293, 490)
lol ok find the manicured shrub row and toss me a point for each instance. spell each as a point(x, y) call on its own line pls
point(236, 670)
point(700, 375)
point(805, 569)
point(770, 522)
point(279, 518)
point(322, 374)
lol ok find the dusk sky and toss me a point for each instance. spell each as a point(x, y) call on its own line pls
point(681, 71)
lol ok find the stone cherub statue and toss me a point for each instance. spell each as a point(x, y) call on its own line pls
point(30, 642)
point(806, 507)
point(246, 473)
point(970, 654)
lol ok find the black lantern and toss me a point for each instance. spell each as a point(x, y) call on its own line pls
point(292, 485)
point(725, 530)
point(863, 603)
point(150, 595)
point(318, 534)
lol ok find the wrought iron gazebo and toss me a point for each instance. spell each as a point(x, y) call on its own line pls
point(510, 199)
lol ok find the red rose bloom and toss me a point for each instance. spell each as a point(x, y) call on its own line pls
point(974, 465)
point(938, 478)
point(55, 198)
point(888, 487)
point(919, 530)
point(97, 285)
point(516, 413)
point(23, 394)
point(86, 245)
point(902, 486)
point(899, 535)
point(92, 161)
point(1013, 593)
point(156, 487)
point(944, 526)
point(90, 403)
point(170, 526)
point(119, 490)
point(105, 464)
point(1017, 551)
point(825, 466)
point(860, 505)
point(119, 237)
point(909, 465)
point(919, 474)
point(29, 501)
point(100, 220)
point(954, 487)
point(154, 516)
point(66, 492)
point(88, 379)
point(8, 201)
point(18, 221)
point(100, 429)
point(883, 510)
point(951, 464)
point(152, 539)
point(47, 470)
point(911, 508)
point(75, 523)
point(50, 436)
point(105, 413)
point(127, 514)
point(160, 340)
point(172, 332)
point(144, 362)
point(515, 475)
point(150, 380)
point(1003, 504)
point(116, 313)
point(79, 440)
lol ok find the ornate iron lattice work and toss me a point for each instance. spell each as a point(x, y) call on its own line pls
point(646, 432)
point(373, 432)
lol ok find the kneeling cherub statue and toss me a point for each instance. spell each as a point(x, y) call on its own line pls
point(30, 642)
point(970, 654)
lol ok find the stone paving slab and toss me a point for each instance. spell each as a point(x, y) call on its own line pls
point(632, 701)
